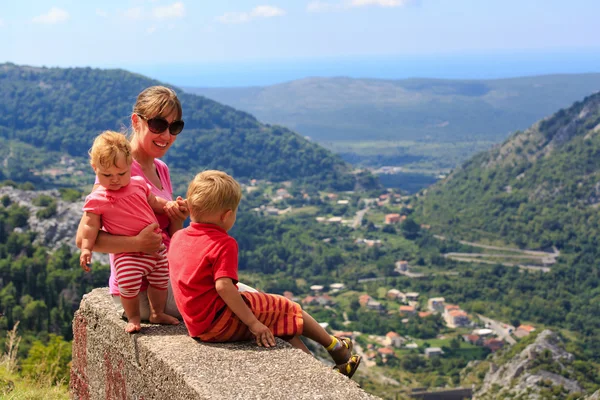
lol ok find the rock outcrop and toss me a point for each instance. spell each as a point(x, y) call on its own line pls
point(543, 364)
point(56, 231)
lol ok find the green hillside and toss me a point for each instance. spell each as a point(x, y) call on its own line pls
point(410, 121)
point(540, 188)
point(63, 109)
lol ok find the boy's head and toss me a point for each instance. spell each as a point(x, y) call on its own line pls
point(213, 196)
point(110, 157)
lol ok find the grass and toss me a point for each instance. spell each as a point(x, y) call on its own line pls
point(15, 387)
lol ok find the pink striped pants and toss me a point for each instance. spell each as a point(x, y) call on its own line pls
point(131, 267)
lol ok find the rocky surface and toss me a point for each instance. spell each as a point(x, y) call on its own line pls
point(526, 375)
point(56, 231)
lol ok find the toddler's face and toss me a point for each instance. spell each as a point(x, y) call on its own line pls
point(115, 177)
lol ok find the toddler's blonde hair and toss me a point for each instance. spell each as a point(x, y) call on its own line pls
point(212, 191)
point(107, 147)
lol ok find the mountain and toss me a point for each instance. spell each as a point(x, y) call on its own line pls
point(395, 122)
point(62, 110)
point(538, 189)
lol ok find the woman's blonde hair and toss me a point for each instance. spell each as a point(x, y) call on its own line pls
point(107, 148)
point(157, 101)
point(212, 191)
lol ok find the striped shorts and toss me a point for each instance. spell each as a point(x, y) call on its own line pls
point(281, 315)
point(131, 267)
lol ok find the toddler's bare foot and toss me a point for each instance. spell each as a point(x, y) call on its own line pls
point(133, 325)
point(164, 319)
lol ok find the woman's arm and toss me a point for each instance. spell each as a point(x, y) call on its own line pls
point(147, 241)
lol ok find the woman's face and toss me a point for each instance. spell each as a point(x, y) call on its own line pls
point(154, 145)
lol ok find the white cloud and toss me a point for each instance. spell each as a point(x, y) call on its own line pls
point(151, 30)
point(54, 16)
point(1, 22)
point(267, 12)
point(320, 6)
point(133, 13)
point(175, 10)
point(101, 13)
point(381, 3)
point(257, 12)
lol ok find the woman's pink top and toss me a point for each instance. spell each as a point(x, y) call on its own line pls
point(166, 192)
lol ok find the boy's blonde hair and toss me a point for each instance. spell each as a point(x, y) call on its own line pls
point(107, 147)
point(212, 191)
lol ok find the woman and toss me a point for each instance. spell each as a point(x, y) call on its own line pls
point(155, 123)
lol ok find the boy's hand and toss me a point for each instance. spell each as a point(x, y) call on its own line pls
point(177, 210)
point(264, 336)
point(85, 259)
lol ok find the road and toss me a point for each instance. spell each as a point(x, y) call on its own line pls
point(359, 217)
point(484, 246)
point(501, 329)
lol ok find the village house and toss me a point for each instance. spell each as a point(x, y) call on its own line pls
point(412, 296)
point(493, 344)
point(456, 318)
point(524, 330)
point(374, 305)
point(407, 310)
point(393, 294)
point(343, 202)
point(436, 304)
point(336, 287)
point(393, 339)
point(401, 266)
point(473, 339)
point(386, 353)
point(364, 299)
point(425, 314)
point(432, 352)
point(392, 218)
point(334, 219)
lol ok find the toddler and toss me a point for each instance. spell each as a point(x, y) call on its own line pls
point(123, 205)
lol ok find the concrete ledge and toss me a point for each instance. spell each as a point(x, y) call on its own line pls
point(163, 362)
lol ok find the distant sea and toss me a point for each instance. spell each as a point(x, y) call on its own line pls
point(443, 66)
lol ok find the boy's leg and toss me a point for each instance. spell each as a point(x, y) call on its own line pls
point(339, 349)
point(314, 331)
point(299, 344)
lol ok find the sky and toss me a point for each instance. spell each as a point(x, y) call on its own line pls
point(245, 42)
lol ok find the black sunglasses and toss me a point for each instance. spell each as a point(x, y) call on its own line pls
point(159, 125)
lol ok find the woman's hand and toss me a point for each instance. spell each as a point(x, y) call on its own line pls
point(264, 336)
point(177, 210)
point(149, 240)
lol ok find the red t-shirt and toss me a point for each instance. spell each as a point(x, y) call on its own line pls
point(198, 256)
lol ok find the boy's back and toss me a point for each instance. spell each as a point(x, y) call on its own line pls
point(199, 255)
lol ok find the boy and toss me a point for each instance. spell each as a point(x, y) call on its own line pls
point(204, 265)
